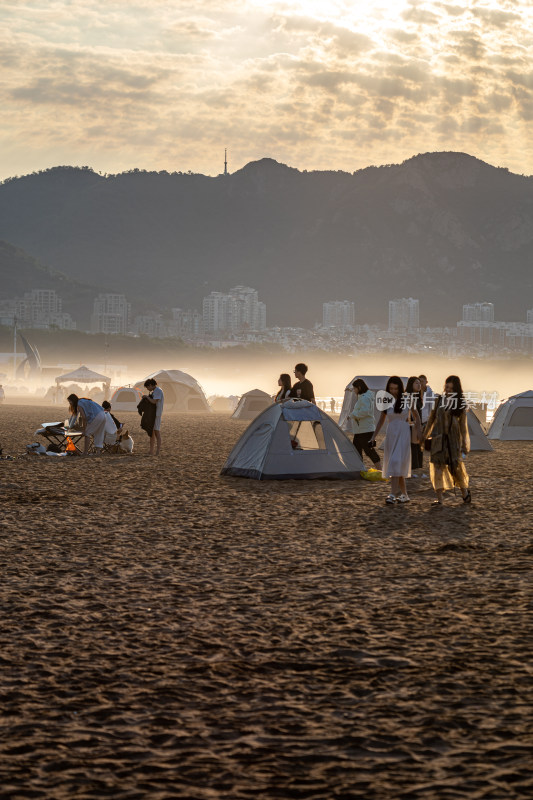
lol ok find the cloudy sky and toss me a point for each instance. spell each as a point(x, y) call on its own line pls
point(317, 84)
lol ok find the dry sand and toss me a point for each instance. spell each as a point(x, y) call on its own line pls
point(167, 633)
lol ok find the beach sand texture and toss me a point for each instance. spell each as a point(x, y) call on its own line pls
point(168, 633)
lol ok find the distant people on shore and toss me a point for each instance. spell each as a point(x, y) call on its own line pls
point(397, 446)
point(155, 395)
point(447, 427)
point(90, 418)
point(332, 405)
point(303, 388)
point(413, 392)
point(284, 391)
point(363, 422)
point(2, 394)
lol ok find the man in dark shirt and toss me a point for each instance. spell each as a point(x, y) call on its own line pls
point(303, 388)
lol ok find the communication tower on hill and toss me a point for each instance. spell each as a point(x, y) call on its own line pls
point(226, 162)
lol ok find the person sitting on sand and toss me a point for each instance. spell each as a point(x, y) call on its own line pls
point(303, 388)
point(91, 419)
point(106, 405)
point(284, 382)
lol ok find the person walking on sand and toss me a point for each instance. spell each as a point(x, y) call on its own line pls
point(284, 383)
point(450, 441)
point(413, 393)
point(155, 395)
point(364, 423)
point(397, 446)
point(428, 399)
point(303, 388)
point(91, 419)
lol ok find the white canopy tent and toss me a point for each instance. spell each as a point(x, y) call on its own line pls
point(293, 440)
point(127, 398)
point(83, 375)
point(182, 392)
point(251, 404)
point(513, 420)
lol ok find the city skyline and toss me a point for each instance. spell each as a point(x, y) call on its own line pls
point(319, 85)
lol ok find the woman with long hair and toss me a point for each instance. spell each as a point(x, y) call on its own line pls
point(397, 445)
point(91, 419)
point(447, 426)
point(284, 382)
point(363, 422)
point(413, 393)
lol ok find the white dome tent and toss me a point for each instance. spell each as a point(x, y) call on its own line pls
point(478, 438)
point(125, 399)
point(513, 420)
point(182, 392)
point(374, 383)
point(251, 404)
point(293, 440)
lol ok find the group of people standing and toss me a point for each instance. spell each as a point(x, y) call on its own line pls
point(93, 419)
point(415, 417)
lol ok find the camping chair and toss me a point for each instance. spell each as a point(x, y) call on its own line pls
point(56, 435)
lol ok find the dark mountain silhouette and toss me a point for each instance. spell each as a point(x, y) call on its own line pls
point(443, 227)
point(21, 272)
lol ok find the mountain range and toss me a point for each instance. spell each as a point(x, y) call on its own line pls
point(444, 227)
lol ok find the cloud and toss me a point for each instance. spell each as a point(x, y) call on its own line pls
point(168, 83)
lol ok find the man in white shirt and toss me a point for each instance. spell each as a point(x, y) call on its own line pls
point(156, 397)
point(428, 399)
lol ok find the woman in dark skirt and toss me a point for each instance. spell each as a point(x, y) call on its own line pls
point(413, 396)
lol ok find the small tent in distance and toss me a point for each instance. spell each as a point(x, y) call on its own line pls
point(182, 392)
point(513, 420)
point(293, 440)
point(126, 399)
point(251, 404)
point(478, 438)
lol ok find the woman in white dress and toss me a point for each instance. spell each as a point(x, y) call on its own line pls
point(397, 446)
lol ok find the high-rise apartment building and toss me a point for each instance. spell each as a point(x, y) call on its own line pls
point(237, 311)
point(111, 314)
point(530, 316)
point(338, 314)
point(187, 324)
point(404, 314)
point(39, 308)
point(478, 312)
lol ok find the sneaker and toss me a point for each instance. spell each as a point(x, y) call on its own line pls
point(403, 498)
point(391, 500)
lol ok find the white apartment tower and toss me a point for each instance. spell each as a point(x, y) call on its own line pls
point(338, 314)
point(530, 316)
point(111, 314)
point(237, 311)
point(403, 314)
point(478, 312)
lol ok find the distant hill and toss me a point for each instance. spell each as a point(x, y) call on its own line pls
point(21, 272)
point(443, 227)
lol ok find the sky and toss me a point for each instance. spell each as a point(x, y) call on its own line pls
point(316, 84)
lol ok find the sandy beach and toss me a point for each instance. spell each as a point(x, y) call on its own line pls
point(168, 633)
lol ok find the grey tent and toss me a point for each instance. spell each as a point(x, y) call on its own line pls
point(251, 404)
point(293, 440)
point(513, 420)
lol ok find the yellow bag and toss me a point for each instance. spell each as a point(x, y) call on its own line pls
point(372, 475)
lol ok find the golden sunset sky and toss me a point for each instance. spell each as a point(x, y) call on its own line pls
point(317, 84)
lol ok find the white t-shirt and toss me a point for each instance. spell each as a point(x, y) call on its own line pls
point(158, 395)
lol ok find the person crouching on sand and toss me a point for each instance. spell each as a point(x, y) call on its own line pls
point(447, 426)
point(91, 420)
point(397, 445)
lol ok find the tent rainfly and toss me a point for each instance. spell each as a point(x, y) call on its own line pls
point(126, 399)
point(251, 404)
point(83, 375)
point(513, 420)
point(293, 440)
point(182, 392)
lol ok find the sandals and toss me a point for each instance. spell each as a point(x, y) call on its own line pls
point(391, 500)
point(403, 498)
point(468, 497)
